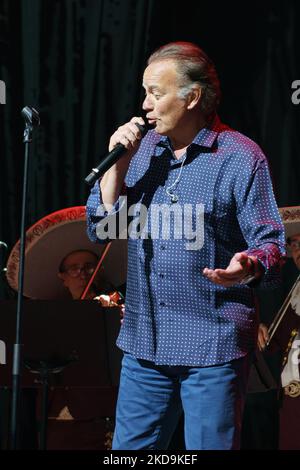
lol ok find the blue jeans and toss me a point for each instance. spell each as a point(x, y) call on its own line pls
point(152, 398)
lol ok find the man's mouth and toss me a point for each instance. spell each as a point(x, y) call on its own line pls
point(151, 121)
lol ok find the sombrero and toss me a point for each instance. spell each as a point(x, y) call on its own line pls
point(48, 241)
point(291, 220)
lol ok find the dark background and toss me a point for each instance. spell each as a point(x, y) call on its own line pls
point(80, 63)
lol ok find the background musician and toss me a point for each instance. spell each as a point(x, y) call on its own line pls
point(75, 271)
point(287, 340)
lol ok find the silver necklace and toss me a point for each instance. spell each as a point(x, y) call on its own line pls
point(170, 190)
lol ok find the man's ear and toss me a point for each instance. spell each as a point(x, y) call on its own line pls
point(194, 97)
point(62, 277)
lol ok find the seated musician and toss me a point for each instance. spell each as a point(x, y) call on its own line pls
point(287, 339)
point(60, 261)
point(75, 271)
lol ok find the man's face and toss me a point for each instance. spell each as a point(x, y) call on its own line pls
point(295, 249)
point(164, 108)
point(77, 270)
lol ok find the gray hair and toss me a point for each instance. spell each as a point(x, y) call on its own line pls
point(193, 67)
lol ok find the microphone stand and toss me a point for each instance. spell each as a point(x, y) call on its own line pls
point(32, 120)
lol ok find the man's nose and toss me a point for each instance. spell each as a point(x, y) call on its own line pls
point(83, 273)
point(147, 104)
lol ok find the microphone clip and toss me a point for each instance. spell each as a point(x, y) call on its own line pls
point(32, 120)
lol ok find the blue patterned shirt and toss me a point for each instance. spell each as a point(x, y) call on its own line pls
point(174, 315)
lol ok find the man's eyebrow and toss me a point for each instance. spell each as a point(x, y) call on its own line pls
point(151, 87)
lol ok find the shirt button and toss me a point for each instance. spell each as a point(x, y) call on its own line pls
point(161, 275)
point(163, 247)
point(162, 304)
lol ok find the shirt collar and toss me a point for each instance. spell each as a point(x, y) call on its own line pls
point(205, 137)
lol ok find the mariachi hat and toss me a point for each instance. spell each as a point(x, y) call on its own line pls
point(291, 220)
point(48, 241)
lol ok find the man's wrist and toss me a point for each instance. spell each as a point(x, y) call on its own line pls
point(251, 266)
point(253, 271)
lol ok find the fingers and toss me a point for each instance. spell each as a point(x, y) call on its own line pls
point(107, 301)
point(222, 276)
point(101, 299)
point(262, 337)
point(261, 344)
point(138, 120)
point(104, 300)
point(266, 335)
point(237, 269)
point(128, 135)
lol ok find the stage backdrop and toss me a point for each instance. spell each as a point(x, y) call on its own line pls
point(80, 62)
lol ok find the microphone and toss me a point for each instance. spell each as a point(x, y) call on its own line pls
point(31, 116)
point(111, 159)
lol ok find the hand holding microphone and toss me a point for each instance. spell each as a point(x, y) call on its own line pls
point(126, 138)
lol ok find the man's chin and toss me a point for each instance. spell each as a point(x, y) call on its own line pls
point(160, 129)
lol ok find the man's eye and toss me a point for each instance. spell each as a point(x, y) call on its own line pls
point(156, 96)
